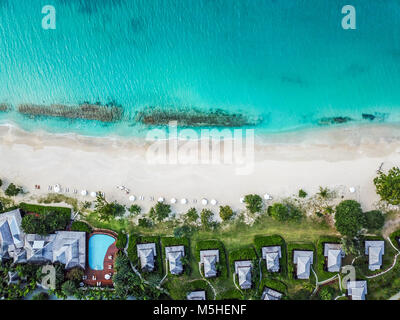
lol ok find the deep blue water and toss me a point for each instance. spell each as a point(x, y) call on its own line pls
point(286, 61)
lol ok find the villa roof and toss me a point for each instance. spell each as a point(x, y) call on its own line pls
point(147, 252)
point(174, 255)
point(66, 247)
point(334, 253)
point(272, 255)
point(375, 250)
point(357, 289)
point(243, 271)
point(11, 235)
point(270, 294)
point(303, 260)
point(197, 295)
point(209, 258)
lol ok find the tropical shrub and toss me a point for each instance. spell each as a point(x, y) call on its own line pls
point(12, 190)
point(81, 226)
point(349, 218)
point(160, 211)
point(108, 210)
point(207, 222)
point(284, 212)
point(254, 203)
point(388, 186)
point(374, 220)
point(121, 240)
point(135, 209)
point(302, 193)
point(225, 212)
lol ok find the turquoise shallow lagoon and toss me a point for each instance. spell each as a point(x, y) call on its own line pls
point(287, 62)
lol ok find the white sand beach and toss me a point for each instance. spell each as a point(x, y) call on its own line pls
point(336, 158)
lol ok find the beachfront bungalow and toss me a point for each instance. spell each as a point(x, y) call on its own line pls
point(333, 254)
point(243, 272)
point(11, 234)
point(270, 294)
point(196, 295)
point(357, 289)
point(374, 250)
point(271, 255)
point(146, 253)
point(209, 259)
point(174, 255)
point(303, 260)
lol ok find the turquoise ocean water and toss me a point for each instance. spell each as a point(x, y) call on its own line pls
point(287, 61)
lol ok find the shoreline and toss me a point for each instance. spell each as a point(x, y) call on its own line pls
point(337, 158)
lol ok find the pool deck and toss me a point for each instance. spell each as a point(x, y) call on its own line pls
point(96, 278)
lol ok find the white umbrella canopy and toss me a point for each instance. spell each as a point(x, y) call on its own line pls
point(213, 202)
point(173, 200)
point(107, 276)
point(352, 189)
point(204, 201)
point(93, 194)
point(267, 196)
point(161, 199)
point(57, 188)
point(132, 198)
point(183, 201)
point(84, 192)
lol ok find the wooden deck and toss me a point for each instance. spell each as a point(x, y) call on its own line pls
point(97, 278)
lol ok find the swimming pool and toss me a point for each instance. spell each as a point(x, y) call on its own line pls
point(98, 246)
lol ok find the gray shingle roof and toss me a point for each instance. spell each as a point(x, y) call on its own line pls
point(334, 253)
point(146, 253)
point(357, 289)
point(272, 255)
point(303, 261)
point(375, 250)
point(174, 255)
point(11, 235)
point(209, 259)
point(270, 294)
point(196, 295)
point(243, 271)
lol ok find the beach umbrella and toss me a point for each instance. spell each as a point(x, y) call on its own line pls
point(204, 202)
point(352, 189)
point(84, 192)
point(107, 277)
point(173, 200)
point(213, 202)
point(267, 196)
point(241, 200)
point(132, 198)
point(183, 201)
point(161, 199)
point(93, 194)
point(57, 188)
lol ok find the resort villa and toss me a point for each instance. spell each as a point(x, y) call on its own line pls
point(333, 254)
point(357, 289)
point(270, 294)
point(374, 250)
point(243, 272)
point(66, 247)
point(174, 256)
point(209, 259)
point(303, 261)
point(146, 253)
point(197, 295)
point(271, 255)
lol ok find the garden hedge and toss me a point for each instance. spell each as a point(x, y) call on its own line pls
point(214, 244)
point(395, 238)
point(81, 226)
point(299, 246)
point(172, 241)
point(121, 240)
point(42, 209)
point(273, 240)
point(322, 273)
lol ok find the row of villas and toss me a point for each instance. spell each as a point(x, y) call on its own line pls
point(69, 248)
point(302, 260)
